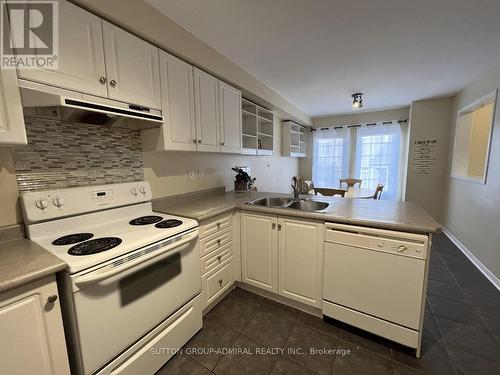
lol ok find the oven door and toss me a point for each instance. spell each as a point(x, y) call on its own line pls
point(120, 301)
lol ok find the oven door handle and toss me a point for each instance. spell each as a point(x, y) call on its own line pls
point(175, 245)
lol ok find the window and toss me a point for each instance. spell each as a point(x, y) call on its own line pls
point(472, 140)
point(369, 152)
point(330, 156)
point(377, 158)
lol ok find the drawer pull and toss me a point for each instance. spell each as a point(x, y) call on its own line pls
point(220, 282)
point(218, 242)
point(218, 225)
point(219, 258)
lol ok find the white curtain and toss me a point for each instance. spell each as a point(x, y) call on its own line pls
point(378, 154)
point(330, 156)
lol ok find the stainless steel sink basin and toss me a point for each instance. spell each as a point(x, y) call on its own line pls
point(307, 205)
point(272, 202)
point(291, 203)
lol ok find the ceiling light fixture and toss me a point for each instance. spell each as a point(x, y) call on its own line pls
point(357, 100)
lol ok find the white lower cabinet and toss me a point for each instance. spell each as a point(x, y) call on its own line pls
point(259, 251)
point(32, 334)
point(215, 283)
point(300, 260)
point(217, 261)
point(283, 255)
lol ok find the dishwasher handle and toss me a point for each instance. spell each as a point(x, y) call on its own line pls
point(147, 256)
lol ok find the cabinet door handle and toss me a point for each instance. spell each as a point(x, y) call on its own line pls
point(219, 258)
point(222, 143)
point(218, 242)
point(199, 140)
point(52, 298)
point(279, 226)
point(220, 282)
point(102, 80)
point(273, 226)
point(112, 83)
point(218, 225)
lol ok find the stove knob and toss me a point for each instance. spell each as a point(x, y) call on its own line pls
point(142, 189)
point(58, 201)
point(41, 204)
point(133, 191)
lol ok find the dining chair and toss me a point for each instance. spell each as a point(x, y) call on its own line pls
point(329, 192)
point(378, 191)
point(350, 182)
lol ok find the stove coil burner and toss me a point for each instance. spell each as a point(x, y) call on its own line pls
point(71, 239)
point(169, 223)
point(145, 220)
point(94, 246)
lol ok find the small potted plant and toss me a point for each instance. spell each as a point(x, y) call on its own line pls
point(242, 181)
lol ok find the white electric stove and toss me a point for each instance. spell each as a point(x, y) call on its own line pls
point(133, 276)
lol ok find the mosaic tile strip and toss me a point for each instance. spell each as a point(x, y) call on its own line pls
point(61, 155)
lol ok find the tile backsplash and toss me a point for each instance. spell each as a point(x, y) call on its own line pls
point(61, 155)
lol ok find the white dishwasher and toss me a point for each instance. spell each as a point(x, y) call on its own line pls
point(375, 280)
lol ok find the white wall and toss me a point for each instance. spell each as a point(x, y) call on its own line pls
point(472, 211)
point(429, 119)
point(402, 113)
point(167, 172)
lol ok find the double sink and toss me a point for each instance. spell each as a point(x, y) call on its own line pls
point(292, 203)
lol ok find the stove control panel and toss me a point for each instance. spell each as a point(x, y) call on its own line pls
point(101, 196)
point(53, 204)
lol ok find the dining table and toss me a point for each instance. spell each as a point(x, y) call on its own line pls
point(359, 192)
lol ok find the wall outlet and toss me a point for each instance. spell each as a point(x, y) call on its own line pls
point(201, 173)
point(191, 175)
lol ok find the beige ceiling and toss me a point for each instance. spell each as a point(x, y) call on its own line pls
point(317, 52)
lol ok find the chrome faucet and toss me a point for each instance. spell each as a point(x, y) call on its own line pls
point(296, 191)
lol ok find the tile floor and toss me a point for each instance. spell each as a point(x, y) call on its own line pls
point(462, 333)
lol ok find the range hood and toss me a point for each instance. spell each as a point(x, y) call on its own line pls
point(54, 103)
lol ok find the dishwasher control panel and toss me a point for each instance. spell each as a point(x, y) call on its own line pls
point(398, 243)
point(398, 247)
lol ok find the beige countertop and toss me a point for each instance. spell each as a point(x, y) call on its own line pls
point(22, 261)
point(393, 215)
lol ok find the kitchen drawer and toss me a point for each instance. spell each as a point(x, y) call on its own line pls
point(215, 258)
point(213, 225)
point(215, 241)
point(217, 282)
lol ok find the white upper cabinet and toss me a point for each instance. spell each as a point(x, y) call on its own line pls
point(178, 131)
point(229, 118)
point(206, 109)
point(81, 55)
point(12, 130)
point(132, 67)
